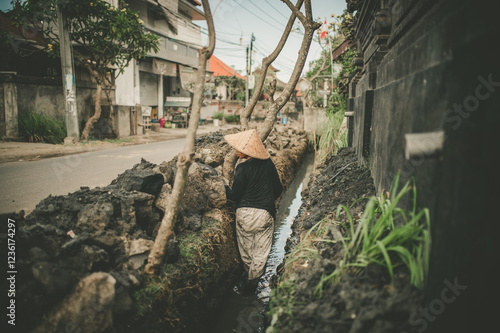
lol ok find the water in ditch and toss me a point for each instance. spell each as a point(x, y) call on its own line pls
point(245, 314)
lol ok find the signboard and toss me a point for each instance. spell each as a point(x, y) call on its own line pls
point(146, 111)
point(164, 67)
point(251, 81)
point(178, 101)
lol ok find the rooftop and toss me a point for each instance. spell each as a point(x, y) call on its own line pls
point(221, 69)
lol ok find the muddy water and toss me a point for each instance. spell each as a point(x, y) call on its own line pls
point(245, 314)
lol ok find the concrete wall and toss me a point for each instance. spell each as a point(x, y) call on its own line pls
point(43, 95)
point(314, 119)
point(127, 87)
point(429, 66)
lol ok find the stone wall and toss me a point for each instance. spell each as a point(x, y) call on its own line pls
point(430, 66)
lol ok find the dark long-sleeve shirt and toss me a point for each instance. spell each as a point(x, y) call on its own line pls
point(256, 184)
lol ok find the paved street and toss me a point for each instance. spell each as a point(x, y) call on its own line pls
point(24, 184)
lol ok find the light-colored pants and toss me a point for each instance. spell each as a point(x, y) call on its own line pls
point(254, 231)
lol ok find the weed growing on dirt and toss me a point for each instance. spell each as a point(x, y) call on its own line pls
point(145, 297)
point(38, 127)
point(201, 254)
point(386, 235)
point(332, 139)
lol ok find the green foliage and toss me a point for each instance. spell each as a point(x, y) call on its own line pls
point(386, 235)
point(218, 115)
point(105, 36)
point(232, 118)
point(240, 96)
point(37, 127)
point(332, 139)
point(236, 86)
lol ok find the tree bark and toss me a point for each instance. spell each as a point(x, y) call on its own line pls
point(310, 26)
point(97, 112)
point(306, 94)
point(184, 160)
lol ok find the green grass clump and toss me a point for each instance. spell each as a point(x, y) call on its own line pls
point(331, 139)
point(386, 235)
point(218, 115)
point(38, 127)
point(232, 118)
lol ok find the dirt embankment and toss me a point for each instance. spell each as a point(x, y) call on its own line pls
point(361, 301)
point(94, 281)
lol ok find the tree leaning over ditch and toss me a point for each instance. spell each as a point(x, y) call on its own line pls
point(185, 158)
point(103, 36)
point(310, 26)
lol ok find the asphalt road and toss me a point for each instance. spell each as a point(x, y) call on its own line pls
point(24, 184)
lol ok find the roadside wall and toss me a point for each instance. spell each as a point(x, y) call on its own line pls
point(314, 119)
point(45, 95)
point(428, 66)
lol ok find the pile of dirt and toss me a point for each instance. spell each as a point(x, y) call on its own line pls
point(81, 256)
point(361, 301)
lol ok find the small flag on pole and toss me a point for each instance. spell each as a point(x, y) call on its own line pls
point(323, 30)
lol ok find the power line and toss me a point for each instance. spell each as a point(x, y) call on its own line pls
point(272, 18)
point(222, 40)
point(225, 33)
point(279, 12)
point(260, 18)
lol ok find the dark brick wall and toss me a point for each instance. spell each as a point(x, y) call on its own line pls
point(425, 73)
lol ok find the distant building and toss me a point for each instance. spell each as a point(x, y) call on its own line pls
point(159, 82)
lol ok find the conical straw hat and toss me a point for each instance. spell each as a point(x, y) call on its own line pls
point(249, 143)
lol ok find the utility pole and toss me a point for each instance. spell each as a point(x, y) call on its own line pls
point(68, 78)
point(331, 54)
point(246, 83)
point(325, 90)
point(251, 50)
point(249, 68)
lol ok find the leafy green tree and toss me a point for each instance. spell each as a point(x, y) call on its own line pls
point(104, 37)
point(235, 84)
point(342, 27)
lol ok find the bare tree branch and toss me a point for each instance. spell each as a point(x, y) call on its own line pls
point(231, 157)
point(310, 26)
point(266, 62)
point(185, 159)
point(296, 11)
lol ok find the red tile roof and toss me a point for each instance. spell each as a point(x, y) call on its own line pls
point(221, 69)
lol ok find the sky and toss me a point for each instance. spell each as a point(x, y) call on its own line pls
point(236, 20)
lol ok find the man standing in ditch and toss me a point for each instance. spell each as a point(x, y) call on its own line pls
point(256, 186)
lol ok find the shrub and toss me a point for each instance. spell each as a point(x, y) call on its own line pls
point(38, 127)
point(232, 118)
point(218, 115)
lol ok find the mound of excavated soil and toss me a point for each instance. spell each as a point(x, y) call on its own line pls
point(94, 281)
point(364, 302)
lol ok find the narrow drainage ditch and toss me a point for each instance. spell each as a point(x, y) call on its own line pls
point(245, 314)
